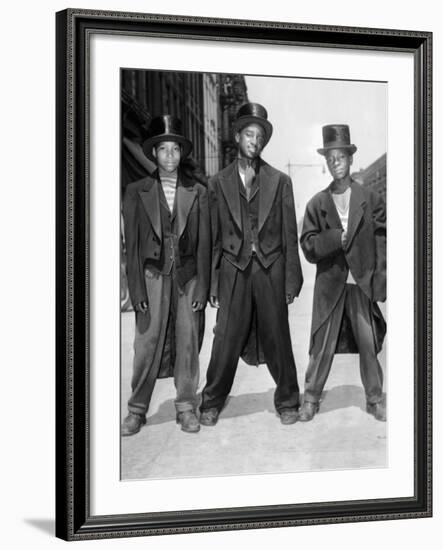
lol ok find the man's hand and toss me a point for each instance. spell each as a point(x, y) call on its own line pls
point(197, 306)
point(344, 239)
point(142, 307)
point(213, 300)
point(289, 299)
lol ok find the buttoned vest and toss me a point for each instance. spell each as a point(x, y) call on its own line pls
point(169, 246)
point(249, 213)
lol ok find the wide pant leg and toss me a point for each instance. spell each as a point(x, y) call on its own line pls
point(273, 331)
point(231, 332)
point(241, 294)
point(186, 368)
point(359, 311)
point(323, 350)
point(149, 341)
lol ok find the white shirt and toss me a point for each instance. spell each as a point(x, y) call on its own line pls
point(243, 178)
point(341, 201)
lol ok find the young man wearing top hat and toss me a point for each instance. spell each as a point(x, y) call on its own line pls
point(256, 269)
point(344, 233)
point(166, 221)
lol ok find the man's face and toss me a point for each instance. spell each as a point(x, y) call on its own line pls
point(250, 141)
point(339, 163)
point(168, 154)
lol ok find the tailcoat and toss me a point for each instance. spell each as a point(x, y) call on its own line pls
point(364, 255)
point(255, 264)
point(276, 224)
point(160, 242)
point(144, 234)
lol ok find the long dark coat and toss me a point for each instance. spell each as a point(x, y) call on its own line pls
point(144, 235)
point(364, 255)
point(277, 231)
point(145, 246)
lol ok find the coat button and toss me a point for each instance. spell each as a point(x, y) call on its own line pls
point(231, 246)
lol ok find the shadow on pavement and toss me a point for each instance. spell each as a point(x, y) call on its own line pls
point(341, 397)
point(236, 405)
point(249, 403)
point(165, 413)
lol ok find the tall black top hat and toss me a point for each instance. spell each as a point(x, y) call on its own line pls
point(166, 128)
point(336, 136)
point(253, 113)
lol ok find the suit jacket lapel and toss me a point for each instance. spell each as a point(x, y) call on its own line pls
point(151, 203)
point(267, 182)
point(184, 199)
point(356, 211)
point(230, 187)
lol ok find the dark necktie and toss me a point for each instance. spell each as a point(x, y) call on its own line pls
point(248, 170)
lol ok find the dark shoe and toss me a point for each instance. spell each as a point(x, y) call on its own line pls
point(288, 416)
point(308, 411)
point(188, 421)
point(378, 411)
point(209, 417)
point(132, 423)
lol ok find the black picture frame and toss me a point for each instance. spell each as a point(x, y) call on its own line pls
point(74, 521)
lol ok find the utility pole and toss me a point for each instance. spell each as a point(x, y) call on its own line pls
point(304, 165)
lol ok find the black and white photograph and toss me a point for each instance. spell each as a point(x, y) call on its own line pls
point(244, 314)
point(218, 317)
point(253, 239)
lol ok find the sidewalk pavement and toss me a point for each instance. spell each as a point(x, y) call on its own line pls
point(249, 438)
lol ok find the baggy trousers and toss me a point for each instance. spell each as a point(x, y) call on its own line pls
point(358, 309)
point(167, 303)
point(242, 294)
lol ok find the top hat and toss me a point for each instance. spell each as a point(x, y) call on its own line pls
point(336, 136)
point(166, 128)
point(253, 113)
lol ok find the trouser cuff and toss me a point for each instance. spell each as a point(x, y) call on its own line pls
point(183, 407)
point(374, 399)
point(137, 410)
point(310, 398)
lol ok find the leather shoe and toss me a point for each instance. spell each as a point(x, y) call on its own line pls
point(288, 416)
point(209, 417)
point(132, 424)
point(308, 411)
point(188, 421)
point(378, 411)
